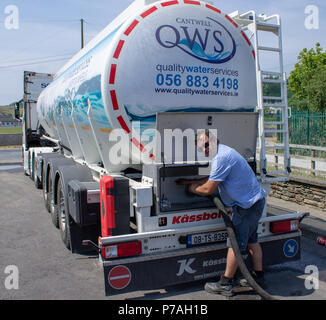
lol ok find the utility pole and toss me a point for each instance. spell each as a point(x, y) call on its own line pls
point(82, 32)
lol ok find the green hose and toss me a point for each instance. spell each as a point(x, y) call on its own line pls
point(234, 243)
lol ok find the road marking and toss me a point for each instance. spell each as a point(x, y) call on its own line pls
point(10, 167)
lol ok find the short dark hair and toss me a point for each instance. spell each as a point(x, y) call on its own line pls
point(207, 133)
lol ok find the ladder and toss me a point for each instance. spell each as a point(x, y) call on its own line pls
point(275, 125)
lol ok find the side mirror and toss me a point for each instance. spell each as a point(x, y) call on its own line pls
point(17, 115)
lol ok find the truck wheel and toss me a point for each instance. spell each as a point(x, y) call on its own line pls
point(28, 165)
point(45, 190)
point(62, 213)
point(37, 181)
point(52, 206)
point(31, 166)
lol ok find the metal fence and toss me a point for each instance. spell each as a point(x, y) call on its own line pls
point(307, 162)
point(307, 128)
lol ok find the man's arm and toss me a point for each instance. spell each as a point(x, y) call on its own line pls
point(191, 181)
point(205, 189)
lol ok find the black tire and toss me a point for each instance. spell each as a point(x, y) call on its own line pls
point(63, 215)
point(45, 189)
point(31, 167)
point(52, 205)
point(37, 181)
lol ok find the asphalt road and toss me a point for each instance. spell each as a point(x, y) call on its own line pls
point(8, 156)
point(48, 271)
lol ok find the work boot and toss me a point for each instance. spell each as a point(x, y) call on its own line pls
point(224, 287)
point(258, 276)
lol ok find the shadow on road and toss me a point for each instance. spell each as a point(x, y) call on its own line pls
point(287, 284)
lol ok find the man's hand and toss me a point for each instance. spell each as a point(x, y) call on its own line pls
point(205, 189)
point(184, 181)
point(193, 186)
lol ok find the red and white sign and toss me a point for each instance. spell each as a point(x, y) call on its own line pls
point(119, 277)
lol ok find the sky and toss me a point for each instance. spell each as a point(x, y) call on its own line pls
point(42, 35)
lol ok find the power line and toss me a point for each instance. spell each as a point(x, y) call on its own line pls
point(33, 45)
point(45, 20)
point(37, 59)
point(19, 52)
point(33, 63)
point(97, 26)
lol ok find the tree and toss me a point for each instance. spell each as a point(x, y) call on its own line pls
point(317, 98)
point(271, 89)
point(307, 81)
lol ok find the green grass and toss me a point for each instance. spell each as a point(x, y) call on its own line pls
point(7, 109)
point(302, 174)
point(10, 130)
point(10, 110)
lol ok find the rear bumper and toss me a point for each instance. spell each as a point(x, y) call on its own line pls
point(187, 265)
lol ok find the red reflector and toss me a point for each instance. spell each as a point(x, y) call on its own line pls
point(284, 226)
point(107, 205)
point(121, 250)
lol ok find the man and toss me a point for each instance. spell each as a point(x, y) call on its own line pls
point(238, 188)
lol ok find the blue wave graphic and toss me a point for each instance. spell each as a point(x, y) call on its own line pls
point(88, 90)
point(199, 52)
point(91, 90)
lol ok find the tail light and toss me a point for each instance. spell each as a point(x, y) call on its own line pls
point(121, 250)
point(278, 227)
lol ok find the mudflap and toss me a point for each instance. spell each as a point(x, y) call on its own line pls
point(160, 271)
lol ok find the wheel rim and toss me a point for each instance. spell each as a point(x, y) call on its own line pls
point(32, 169)
point(35, 169)
point(45, 194)
point(62, 211)
point(50, 193)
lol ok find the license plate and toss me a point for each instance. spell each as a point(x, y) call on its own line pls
point(202, 238)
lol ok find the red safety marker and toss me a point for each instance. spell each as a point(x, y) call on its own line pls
point(131, 27)
point(118, 49)
point(107, 205)
point(112, 73)
point(119, 277)
point(123, 124)
point(321, 241)
point(231, 20)
point(148, 12)
point(169, 3)
point(114, 100)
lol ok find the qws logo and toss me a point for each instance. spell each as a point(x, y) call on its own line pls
point(212, 43)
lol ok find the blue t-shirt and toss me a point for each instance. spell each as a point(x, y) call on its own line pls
point(238, 183)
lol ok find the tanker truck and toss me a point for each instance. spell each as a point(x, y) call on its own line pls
point(120, 120)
